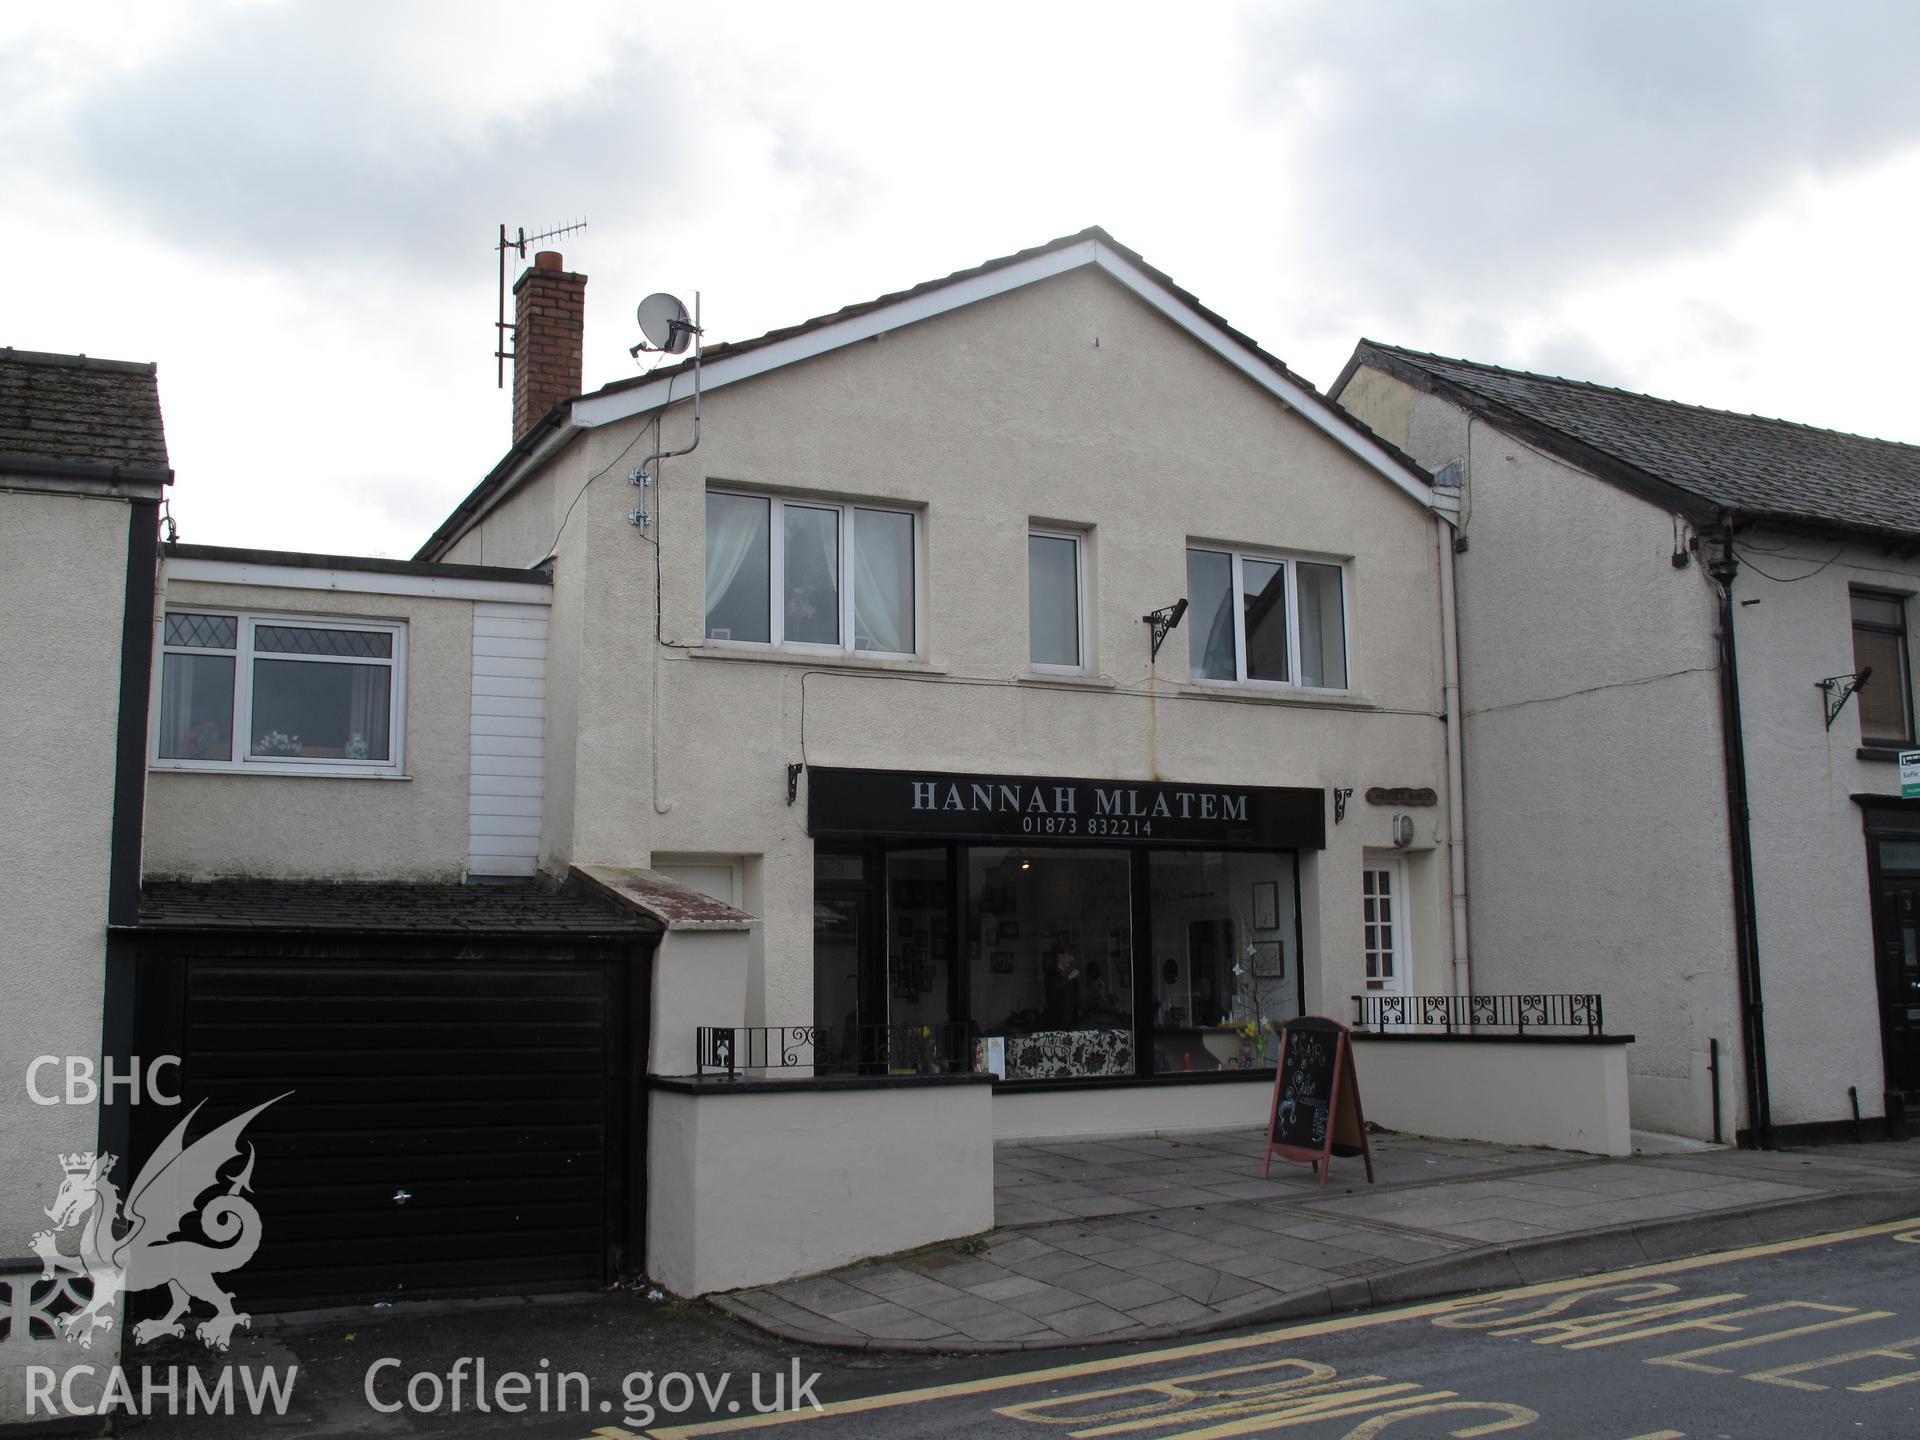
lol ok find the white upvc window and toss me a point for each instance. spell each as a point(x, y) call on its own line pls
point(1266, 620)
point(286, 694)
point(1057, 601)
point(818, 576)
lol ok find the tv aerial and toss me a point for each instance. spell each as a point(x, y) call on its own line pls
point(669, 331)
point(518, 243)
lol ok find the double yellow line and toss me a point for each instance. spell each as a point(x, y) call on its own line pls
point(1337, 1325)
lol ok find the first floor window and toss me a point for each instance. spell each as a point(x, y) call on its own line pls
point(1880, 641)
point(810, 573)
point(239, 690)
point(1054, 601)
point(1266, 620)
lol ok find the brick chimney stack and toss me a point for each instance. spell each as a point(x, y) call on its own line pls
point(549, 316)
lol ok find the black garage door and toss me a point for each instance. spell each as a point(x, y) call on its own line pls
point(459, 1116)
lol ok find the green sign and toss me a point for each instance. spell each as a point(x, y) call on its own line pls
point(1910, 774)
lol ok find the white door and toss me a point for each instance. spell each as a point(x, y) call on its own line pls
point(1383, 900)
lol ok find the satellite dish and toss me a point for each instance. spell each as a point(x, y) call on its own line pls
point(663, 320)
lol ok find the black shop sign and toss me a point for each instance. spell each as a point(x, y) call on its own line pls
point(935, 804)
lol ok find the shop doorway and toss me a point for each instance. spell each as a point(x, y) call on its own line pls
point(1225, 940)
point(844, 998)
point(1895, 866)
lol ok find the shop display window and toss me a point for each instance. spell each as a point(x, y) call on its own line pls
point(1052, 962)
point(1053, 981)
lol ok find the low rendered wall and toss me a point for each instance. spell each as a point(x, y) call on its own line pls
point(1090, 1112)
point(1568, 1093)
point(700, 968)
point(756, 1181)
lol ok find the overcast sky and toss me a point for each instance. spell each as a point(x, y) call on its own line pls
point(292, 207)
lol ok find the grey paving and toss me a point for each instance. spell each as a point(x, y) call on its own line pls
point(1151, 1236)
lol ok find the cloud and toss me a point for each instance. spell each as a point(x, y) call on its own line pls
point(291, 204)
point(1575, 355)
point(1508, 145)
point(325, 136)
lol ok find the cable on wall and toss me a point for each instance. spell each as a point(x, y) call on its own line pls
point(1746, 554)
point(603, 470)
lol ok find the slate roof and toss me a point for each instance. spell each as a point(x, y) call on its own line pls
point(283, 906)
point(62, 413)
point(1699, 461)
point(676, 906)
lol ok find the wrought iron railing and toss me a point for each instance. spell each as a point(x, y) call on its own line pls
point(1456, 1013)
point(834, 1049)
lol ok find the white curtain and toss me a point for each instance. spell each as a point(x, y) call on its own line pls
point(734, 524)
point(190, 685)
point(883, 581)
point(368, 704)
point(1323, 641)
point(819, 530)
point(176, 708)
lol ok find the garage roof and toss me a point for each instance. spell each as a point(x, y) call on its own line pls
point(528, 908)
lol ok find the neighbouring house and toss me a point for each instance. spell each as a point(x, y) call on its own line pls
point(83, 466)
point(1682, 780)
point(341, 907)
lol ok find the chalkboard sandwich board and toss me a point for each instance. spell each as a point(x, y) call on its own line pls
point(1316, 1098)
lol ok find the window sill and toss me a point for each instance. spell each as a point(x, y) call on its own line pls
point(1315, 699)
point(1881, 754)
point(855, 661)
point(305, 772)
point(1168, 1078)
point(1064, 681)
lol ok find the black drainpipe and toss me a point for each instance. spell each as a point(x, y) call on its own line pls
point(118, 1001)
point(1740, 837)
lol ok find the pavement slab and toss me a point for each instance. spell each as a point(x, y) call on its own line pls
point(1022, 1213)
point(1006, 1289)
point(1086, 1321)
point(1053, 1266)
point(1102, 1240)
point(1045, 1302)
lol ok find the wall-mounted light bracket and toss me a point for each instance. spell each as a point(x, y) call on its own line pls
point(793, 780)
point(1839, 689)
point(1341, 795)
point(1164, 620)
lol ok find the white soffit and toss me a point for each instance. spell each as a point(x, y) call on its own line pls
point(358, 582)
point(605, 409)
